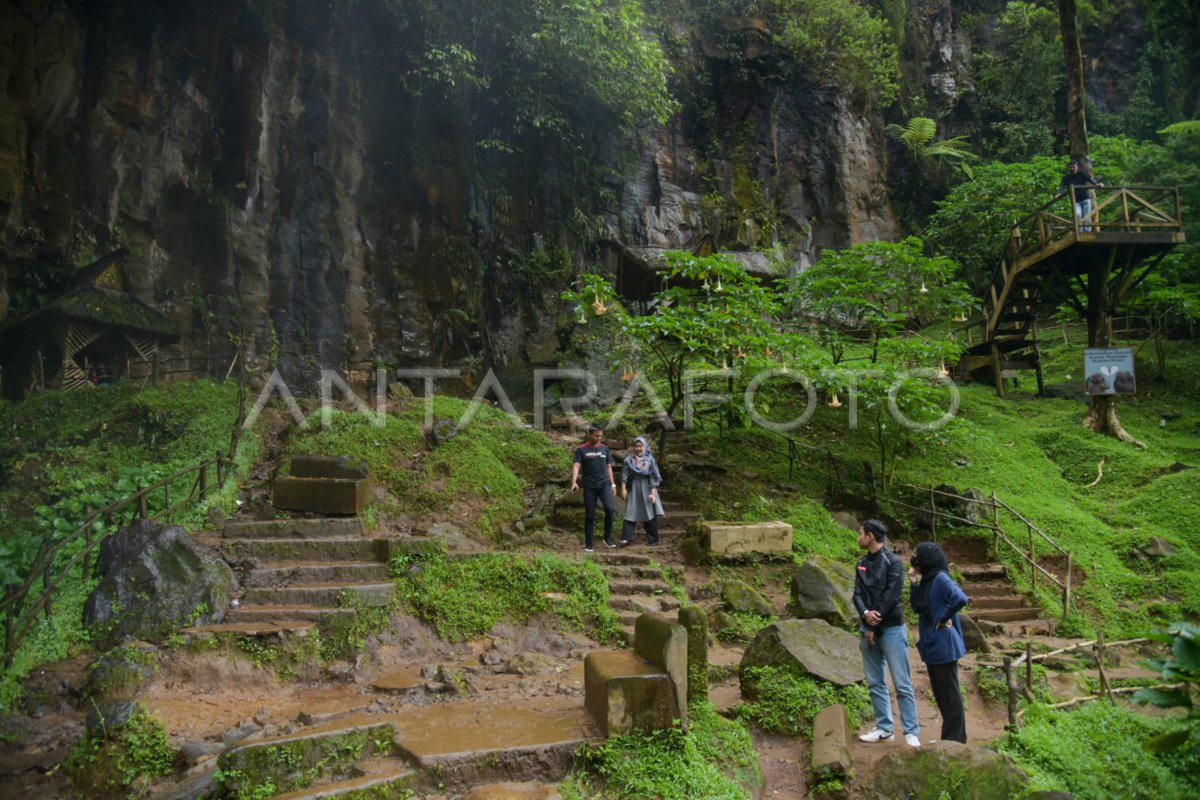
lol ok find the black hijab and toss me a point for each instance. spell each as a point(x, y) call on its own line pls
point(929, 559)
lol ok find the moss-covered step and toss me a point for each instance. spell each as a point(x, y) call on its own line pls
point(310, 550)
point(299, 574)
point(380, 778)
point(280, 614)
point(300, 759)
point(319, 528)
point(320, 594)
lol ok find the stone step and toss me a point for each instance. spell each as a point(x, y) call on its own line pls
point(980, 604)
point(606, 555)
point(652, 587)
point(287, 551)
point(253, 628)
point(466, 743)
point(315, 528)
point(1006, 614)
point(320, 594)
point(380, 777)
point(348, 572)
point(258, 760)
point(988, 589)
point(284, 614)
point(642, 604)
point(983, 572)
point(631, 571)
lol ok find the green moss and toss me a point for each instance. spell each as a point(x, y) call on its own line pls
point(784, 701)
point(261, 771)
point(463, 598)
point(108, 762)
point(715, 759)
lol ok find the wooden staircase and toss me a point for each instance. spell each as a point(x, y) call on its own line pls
point(1129, 232)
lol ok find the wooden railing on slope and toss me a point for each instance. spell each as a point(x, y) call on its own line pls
point(21, 613)
point(1121, 213)
point(840, 473)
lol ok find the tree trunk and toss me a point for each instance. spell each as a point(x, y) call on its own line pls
point(1102, 414)
point(1073, 53)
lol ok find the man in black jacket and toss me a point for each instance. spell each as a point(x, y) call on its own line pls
point(878, 583)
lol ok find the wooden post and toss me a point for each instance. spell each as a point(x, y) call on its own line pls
point(1104, 687)
point(1032, 562)
point(932, 513)
point(1067, 589)
point(46, 579)
point(995, 525)
point(1011, 682)
point(997, 378)
point(87, 539)
point(1029, 671)
point(203, 484)
point(143, 506)
point(167, 500)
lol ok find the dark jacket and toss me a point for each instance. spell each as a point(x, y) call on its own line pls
point(878, 582)
point(945, 599)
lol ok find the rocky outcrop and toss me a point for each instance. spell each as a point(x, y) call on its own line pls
point(155, 579)
point(279, 192)
point(943, 767)
point(811, 646)
point(822, 589)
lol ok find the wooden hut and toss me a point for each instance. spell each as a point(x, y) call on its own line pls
point(95, 333)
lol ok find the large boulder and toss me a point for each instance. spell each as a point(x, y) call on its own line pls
point(943, 769)
point(812, 646)
point(154, 580)
point(739, 596)
point(822, 589)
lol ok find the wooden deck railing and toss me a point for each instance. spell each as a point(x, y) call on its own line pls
point(1135, 211)
point(57, 559)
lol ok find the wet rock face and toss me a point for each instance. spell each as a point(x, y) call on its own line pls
point(155, 579)
point(823, 589)
point(278, 191)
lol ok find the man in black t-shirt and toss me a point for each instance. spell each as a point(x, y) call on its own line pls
point(1079, 177)
point(593, 469)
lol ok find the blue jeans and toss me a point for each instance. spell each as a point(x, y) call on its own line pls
point(1083, 210)
point(890, 649)
point(604, 495)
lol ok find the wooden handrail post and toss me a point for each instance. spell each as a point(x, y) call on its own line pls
point(1067, 589)
point(995, 525)
point(1104, 687)
point(167, 500)
point(1029, 671)
point(932, 513)
point(202, 486)
point(1032, 562)
point(143, 505)
point(1011, 683)
point(47, 579)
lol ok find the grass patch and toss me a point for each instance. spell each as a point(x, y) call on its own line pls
point(108, 762)
point(784, 701)
point(716, 759)
point(70, 451)
point(481, 471)
point(463, 598)
point(1096, 752)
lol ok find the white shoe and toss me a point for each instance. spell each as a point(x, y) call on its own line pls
point(875, 735)
point(912, 740)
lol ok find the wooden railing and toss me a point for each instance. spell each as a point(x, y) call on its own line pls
point(1013, 665)
point(1118, 210)
point(55, 559)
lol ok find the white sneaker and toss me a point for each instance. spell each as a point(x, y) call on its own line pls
point(912, 740)
point(875, 735)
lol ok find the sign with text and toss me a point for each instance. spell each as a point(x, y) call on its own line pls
point(1109, 370)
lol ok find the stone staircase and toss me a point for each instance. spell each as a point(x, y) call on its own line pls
point(298, 571)
point(995, 605)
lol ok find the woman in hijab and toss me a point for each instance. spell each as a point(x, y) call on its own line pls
point(640, 480)
point(937, 600)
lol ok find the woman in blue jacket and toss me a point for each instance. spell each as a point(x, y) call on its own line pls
point(937, 600)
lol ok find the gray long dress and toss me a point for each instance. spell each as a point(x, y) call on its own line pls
point(638, 507)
